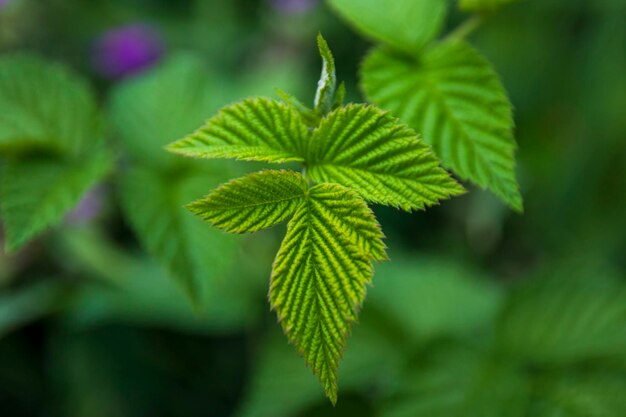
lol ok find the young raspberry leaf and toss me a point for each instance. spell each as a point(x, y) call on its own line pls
point(366, 149)
point(257, 129)
point(340, 96)
point(453, 97)
point(320, 273)
point(327, 85)
point(254, 202)
point(353, 219)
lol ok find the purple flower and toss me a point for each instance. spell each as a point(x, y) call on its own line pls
point(88, 207)
point(293, 6)
point(4, 3)
point(127, 50)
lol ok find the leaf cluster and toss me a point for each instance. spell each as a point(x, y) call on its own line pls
point(51, 151)
point(351, 155)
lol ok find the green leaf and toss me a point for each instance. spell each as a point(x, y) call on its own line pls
point(457, 381)
point(257, 129)
point(37, 192)
point(407, 25)
point(27, 304)
point(340, 96)
point(566, 315)
point(429, 297)
point(352, 218)
point(482, 5)
point(370, 151)
point(192, 253)
point(254, 202)
point(45, 106)
point(327, 85)
point(50, 125)
point(319, 277)
point(588, 394)
point(453, 97)
point(139, 292)
point(153, 110)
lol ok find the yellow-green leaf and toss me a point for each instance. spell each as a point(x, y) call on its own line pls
point(319, 277)
point(367, 149)
point(327, 85)
point(257, 129)
point(254, 202)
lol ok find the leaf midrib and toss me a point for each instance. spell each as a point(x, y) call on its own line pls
point(277, 201)
point(440, 101)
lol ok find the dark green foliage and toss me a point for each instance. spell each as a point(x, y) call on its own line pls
point(53, 146)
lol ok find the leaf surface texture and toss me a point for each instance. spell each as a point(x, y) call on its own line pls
point(258, 129)
point(254, 202)
point(366, 149)
point(319, 276)
point(453, 97)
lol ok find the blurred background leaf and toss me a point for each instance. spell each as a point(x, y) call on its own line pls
point(45, 107)
point(406, 25)
point(455, 380)
point(583, 394)
point(37, 192)
point(22, 306)
point(569, 313)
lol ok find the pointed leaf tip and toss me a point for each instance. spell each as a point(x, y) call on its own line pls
point(254, 202)
point(327, 85)
point(320, 274)
point(256, 129)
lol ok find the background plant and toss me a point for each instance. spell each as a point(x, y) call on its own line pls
point(526, 308)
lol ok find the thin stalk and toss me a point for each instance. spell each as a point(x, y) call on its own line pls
point(306, 177)
point(466, 28)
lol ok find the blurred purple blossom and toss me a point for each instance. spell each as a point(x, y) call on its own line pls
point(4, 2)
point(127, 50)
point(90, 206)
point(293, 6)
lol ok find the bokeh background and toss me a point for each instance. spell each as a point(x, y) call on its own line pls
point(481, 312)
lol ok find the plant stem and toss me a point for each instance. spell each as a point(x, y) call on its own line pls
point(307, 178)
point(466, 28)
